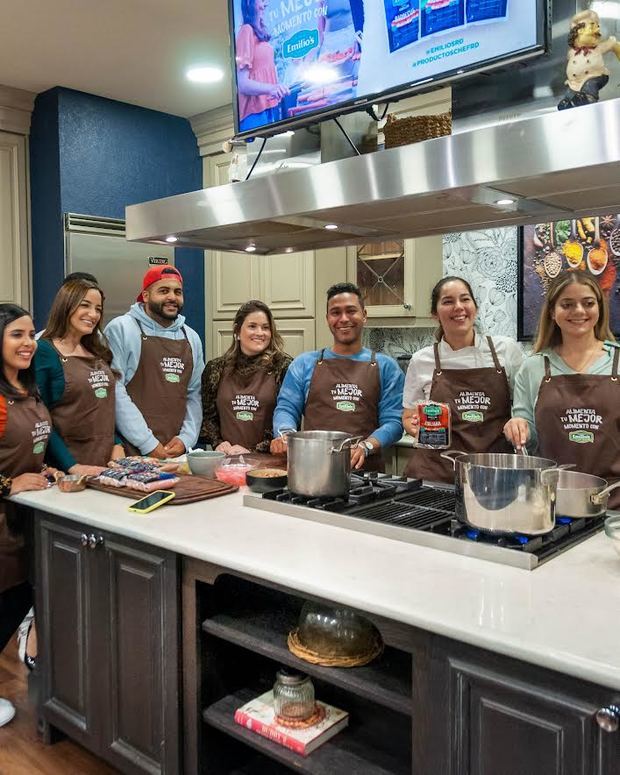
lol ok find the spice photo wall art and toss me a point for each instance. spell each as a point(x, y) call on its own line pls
point(589, 244)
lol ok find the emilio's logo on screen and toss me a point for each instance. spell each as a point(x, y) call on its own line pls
point(300, 44)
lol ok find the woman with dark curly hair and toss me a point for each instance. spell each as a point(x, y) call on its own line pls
point(239, 390)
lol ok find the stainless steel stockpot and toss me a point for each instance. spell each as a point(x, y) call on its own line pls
point(319, 462)
point(582, 495)
point(503, 493)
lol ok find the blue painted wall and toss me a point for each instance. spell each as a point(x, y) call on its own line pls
point(94, 156)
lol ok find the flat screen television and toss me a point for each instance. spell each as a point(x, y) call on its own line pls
point(299, 61)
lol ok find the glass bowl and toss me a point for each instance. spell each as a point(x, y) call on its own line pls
point(612, 531)
point(232, 470)
point(335, 632)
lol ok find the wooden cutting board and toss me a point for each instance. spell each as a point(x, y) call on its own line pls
point(190, 489)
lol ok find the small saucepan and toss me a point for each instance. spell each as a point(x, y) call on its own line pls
point(582, 495)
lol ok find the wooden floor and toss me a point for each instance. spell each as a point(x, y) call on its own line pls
point(21, 752)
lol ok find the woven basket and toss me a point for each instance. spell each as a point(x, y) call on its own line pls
point(296, 647)
point(413, 129)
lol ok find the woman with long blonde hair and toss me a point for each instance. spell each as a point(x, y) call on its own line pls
point(567, 394)
point(239, 389)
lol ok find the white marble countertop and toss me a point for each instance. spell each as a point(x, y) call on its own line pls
point(564, 615)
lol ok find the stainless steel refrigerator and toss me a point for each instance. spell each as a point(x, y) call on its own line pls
point(98, 245)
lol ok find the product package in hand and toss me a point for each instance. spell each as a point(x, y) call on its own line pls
point(434, 425)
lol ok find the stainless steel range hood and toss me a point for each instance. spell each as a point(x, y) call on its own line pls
point(552, 166)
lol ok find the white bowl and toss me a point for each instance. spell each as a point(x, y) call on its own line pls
point(612, 531)
point(204, 463)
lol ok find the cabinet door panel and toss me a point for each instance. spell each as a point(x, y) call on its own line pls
point(233, 280)
point(287, 284)
point(140, 600)
point(518, 728)
point(298, 336)
point(64, 616)
point(13, 220)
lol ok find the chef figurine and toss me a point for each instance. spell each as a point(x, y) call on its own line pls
point(586, 73)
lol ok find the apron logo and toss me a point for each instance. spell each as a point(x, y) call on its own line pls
point(172, 377)
point(101, 392)
point(244, 416)
point(39, 448)
point(345, 406)
point(581, 437)
point(472, 416)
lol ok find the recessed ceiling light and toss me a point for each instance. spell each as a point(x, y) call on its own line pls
point(331, 226)
point(505, 201)
point(204, 74)
point(172, 238)
point(288, 250)
point(250, 249)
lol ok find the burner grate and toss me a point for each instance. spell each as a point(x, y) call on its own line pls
point(427, 497)
point(401, 514)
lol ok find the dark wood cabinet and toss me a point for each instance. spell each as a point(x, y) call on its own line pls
point(490, 714)
point(428, 706)
point(107, 613)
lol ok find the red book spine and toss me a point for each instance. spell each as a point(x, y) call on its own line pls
point(270, 732)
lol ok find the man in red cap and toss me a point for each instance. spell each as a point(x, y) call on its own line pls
point(160, 360)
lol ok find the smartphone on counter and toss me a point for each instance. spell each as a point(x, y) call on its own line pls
point(152, 501)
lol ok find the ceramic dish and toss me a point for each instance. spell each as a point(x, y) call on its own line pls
point(266, 479)
point(203, 463)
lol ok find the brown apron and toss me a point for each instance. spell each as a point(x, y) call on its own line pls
point(344, 396)
point(480, 405)
point(22, 449)
point(578, 421)
point(159, 386)
point(84, 416)
point(245, 409)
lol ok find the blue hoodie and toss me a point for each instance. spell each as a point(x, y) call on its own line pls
point(125, 342)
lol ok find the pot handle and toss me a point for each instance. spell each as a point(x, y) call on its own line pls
point(284, 432)
point(453, 460)
point(350, 441)
point(600, 498)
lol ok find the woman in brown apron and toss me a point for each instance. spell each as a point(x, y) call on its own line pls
point(470, 373)
point(239, 390)
point(76, 381)
point(25, 426)
point(567, 395)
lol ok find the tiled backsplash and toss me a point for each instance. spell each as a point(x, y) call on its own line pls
point(488, 260)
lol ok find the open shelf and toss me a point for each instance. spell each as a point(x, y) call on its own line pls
point(352, 751)
point(261, 624)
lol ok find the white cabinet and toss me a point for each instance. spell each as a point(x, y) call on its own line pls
point(14, 246)
point(284, 282)
point(396, 279)
point(298, 336)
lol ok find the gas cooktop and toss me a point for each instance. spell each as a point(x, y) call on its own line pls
point(423, 513)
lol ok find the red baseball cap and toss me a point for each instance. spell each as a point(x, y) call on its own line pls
point(157, 273)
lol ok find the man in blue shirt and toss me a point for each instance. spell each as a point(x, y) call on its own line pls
point(346, 387)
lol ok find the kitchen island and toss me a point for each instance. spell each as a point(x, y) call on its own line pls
point(482, 661)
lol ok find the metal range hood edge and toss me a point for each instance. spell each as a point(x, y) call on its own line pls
point(553, 166)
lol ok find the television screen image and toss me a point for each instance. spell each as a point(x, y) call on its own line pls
point(302, 60)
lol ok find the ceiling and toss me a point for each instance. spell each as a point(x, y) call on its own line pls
point(134, 51)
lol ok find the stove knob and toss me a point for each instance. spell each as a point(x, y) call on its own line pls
point(608, 718)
